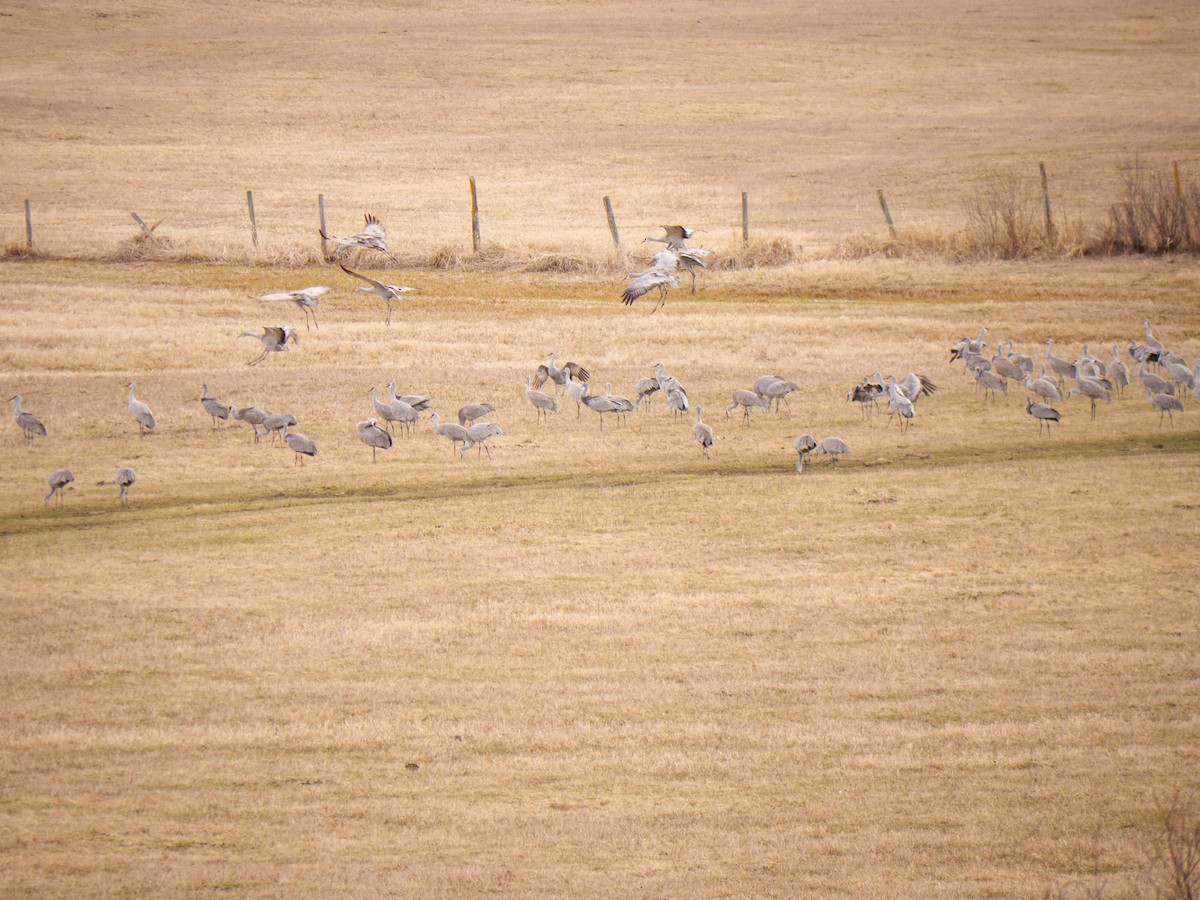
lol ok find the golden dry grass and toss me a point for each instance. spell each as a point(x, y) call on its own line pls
point(962, 664)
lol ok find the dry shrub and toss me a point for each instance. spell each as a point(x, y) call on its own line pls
point(1175, 852)
point(761, 253)
point(1153, 215)
point(1005, 220)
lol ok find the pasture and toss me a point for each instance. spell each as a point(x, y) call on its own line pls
point(964, 663)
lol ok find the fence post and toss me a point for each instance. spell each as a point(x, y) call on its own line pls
point(253, 222)
point(745, 219)
point(887, 214)
point(474, 217)
point(612, 222)
point(28, 227)
point(146, 229)
point(1046, 204)
point(321, 211)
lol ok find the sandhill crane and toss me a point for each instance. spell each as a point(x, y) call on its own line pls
point(1006, 368)
point(1156, 384)
point(560, 375)
point(472, 411)
point(866, 392)
point(1060, 367)
point(650, 385)
point(762, 382)
point(1119, 372)
point(1153, 345)
point(677, 399)
point(277, 423)
point(1042, 413)
point(899, 405)
point(301, 445)
point(805, 444)
point(990, 382)
point(274, 339)
point(385, 292)
point(58, 481)
point(915, 386)
point(419, 402)
point(1043, 387)
point(372, 237)
point(660, 276)
point(544, 404)
point(29, 424)
point(1164, 403)
point(1093, 390)
point(386, 410)
point(747, 400)
point(675, 237)
point(125, 479)
point(624, 404)
point(778, 391)
point(576, 391)
point(403, 409)
point(599, 405)
point(214, 407)
point(456, 433)
point(1020, 360)
point(1141, 353)
point(833, 447)
point(702, 433)
point(1089, 365)
point(373, 436)
point(1177, 369)
point(252, 416)
point(308, 299)
point(140, 412)
point(477, 435)
point(965, 345)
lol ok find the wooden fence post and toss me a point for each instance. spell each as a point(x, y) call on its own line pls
point(745, 219)
point(474, 217)
point(612, 222)
point(887, 214)
point(321, 211)
point(1046, 204)
point(253, 222)
point(28, 227)
point(146, 229)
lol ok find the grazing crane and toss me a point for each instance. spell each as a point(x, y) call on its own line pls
point(747, 400)
point(1164, 403)
point(372, 237)
point(599, 405)
point(833, 447)
point(805, 444)
point(544, 404)
point(650, 385)
point(252, 416)
point(456, 433)
point(624, 404)
point(214, 407)
point(58, 481)
point(1042, 413)
point(660, 276)
point(373, 436)
point(308, 299)
point(385, 292)
point(140, 412)
point(274, 339)
point(477, 435)
point(1120, 372)
point(560, 375)
point(301, 445)
point(125, 479)
point(472, 411)
point(1043, 387)
point(778, 391)
point(966, 345)
point(1060, 367)
point(702, 433)
point(1093, 390)
point(29, 424)
point(277, 423)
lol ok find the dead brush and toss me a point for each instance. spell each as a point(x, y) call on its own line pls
point(758, 254)
point(1156, 214)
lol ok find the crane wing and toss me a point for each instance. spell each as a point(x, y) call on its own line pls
point(370, 281)
point(540, 376)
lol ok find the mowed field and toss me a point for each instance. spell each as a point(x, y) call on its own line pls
point(964, 663)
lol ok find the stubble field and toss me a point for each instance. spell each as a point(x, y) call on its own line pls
point(964, 663)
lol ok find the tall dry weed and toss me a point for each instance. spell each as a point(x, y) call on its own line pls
point(1155, 214)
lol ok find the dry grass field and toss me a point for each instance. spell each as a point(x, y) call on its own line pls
point(964, 663)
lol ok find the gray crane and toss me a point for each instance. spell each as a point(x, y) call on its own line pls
point(833, 447)
point(308, 299)
point(252, 416)
point(576, 391)
point(214, 407)
point(1119, 371)
point(1043, 413)
point(543, 403)
point(677, 398)
point(702, 433)
point(659, 276)
point(990, 382)
point(277, 423)
point(1093, 390)
point(274, 339)
point(477, 435)
point(1152, 344)
point(301, 445)
point(1178, 370)
point(29, 424)
point(125, 479)
point(747, 400)
point(372, 237)
point(373, 436)
point(899, 405)
point(140, 412)
point(778, 391)
point(560, 375)
point(1140, 353)
point(599, 405)
point(472, 411)
point(385, 292)
point(1060, 367)
point(389, 412)
point(866, 393)
point(419, 402)
point(915, 386)
point(805, 444)
point(1164, 403)
point(676, 238)
point(650, 385)
point(1006, 368)
point(1020, 360)
point(58, 481)
point(1043, 387)
point(456, 433)
point(624, 404)
point(964, 346)
point(1155, 383)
